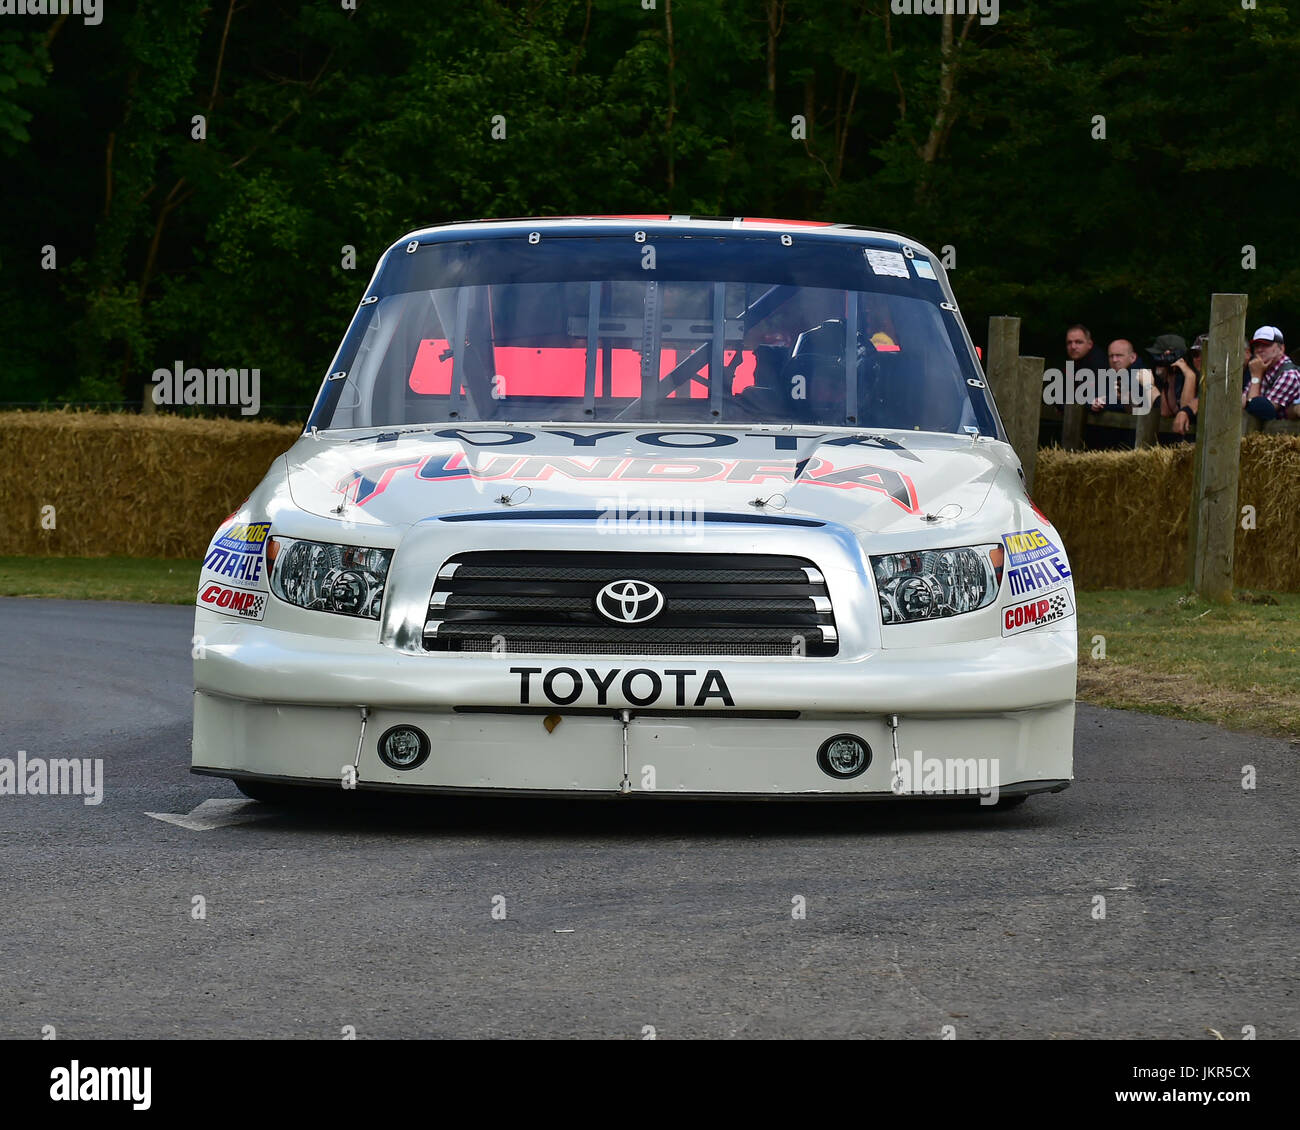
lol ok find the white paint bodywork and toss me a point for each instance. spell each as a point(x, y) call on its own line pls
point(282, 697)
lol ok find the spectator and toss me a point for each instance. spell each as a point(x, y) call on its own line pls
point(1088, 358)
point(1190, 401)
point(1274, 388)
point(1245, 364)
point(1123, 358)
point(1166, 351)
point(1175, 379)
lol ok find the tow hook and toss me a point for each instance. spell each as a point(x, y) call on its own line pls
point(893, 739)
point(361, 738)
point(625, 785)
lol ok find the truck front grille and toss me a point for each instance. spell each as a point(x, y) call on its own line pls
point(708, 604)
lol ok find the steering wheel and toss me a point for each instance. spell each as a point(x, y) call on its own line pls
point(763, 403)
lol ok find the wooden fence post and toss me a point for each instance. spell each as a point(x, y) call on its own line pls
point(1212, 523)
point(1072, 427)
point(1147, 425)
point(1028, 393)
point(1002, 366)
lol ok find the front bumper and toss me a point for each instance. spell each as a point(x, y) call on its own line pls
point(281, 705)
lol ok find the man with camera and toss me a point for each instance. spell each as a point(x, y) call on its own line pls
point(1128, 383)
point(1273, 391)
point(1176, 380)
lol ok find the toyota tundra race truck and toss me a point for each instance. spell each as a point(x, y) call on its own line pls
point(644, 506)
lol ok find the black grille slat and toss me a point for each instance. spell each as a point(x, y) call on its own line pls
point(504, 602)
point(702, 589)
point(757, 604)
point(495, 602)
point(572, 633)
point(599, 647)
point(713, 604)
point(607, 559)
point(654, 576)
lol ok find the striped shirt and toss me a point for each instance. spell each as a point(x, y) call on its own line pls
point(1280, 382)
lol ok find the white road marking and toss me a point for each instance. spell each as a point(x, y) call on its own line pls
point(215, 813)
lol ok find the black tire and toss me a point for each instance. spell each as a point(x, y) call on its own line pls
point(270, 793)
point(1000, 805)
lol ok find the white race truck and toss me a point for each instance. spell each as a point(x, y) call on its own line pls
point(644, 506)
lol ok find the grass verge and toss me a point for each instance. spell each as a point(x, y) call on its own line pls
point(150, 580)
point(1165, 652)
point(1156, 650)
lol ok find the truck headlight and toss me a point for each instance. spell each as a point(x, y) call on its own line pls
point(932, 583)
point(346, 579)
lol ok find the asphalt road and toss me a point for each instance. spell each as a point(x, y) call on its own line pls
point(620, 916)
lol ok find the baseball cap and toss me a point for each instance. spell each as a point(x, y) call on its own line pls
point(1267, 333)
point(1198, 346)
point(1168, 343)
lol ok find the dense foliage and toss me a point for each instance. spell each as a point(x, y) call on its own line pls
point(332, 124)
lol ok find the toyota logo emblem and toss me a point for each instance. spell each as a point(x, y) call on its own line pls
point(629, 602)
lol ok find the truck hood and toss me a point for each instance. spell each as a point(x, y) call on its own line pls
point(873, 482)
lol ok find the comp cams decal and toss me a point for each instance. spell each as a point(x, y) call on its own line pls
point(245, 604)
point(639, 686)
point(1036, 613)
point(239, 554)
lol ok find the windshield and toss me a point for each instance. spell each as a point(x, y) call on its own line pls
point(683, 329)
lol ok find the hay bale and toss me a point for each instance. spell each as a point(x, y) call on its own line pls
point(1266, 557)
point(121, 485)
point(157, 486)
point(1123, 514)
